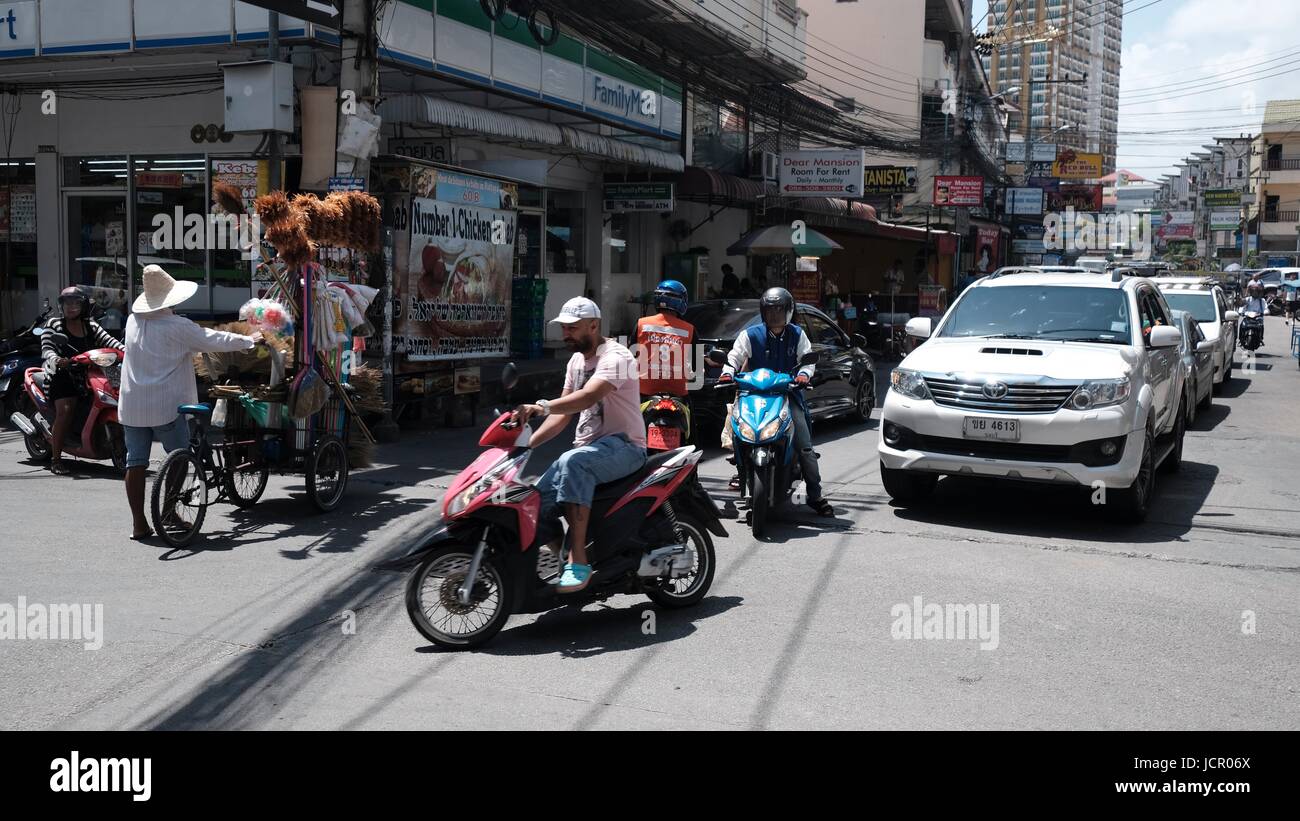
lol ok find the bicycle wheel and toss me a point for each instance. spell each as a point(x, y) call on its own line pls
point(179, 499)
point(327, 474)
point(244, 478)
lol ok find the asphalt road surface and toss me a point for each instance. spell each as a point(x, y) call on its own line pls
point(277, 618)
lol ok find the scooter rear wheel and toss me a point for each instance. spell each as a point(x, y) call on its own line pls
point(435, 609)
point(38, 448)
point(688, 590)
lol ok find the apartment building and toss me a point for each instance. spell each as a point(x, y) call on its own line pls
point(1276, 164)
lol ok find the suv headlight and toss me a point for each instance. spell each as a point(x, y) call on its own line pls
point(1098, 393)
point(908, 383)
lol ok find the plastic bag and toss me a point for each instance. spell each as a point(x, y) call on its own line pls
point(726, 428)
point(307, 395)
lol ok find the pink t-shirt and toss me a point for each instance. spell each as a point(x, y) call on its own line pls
point(620, 410)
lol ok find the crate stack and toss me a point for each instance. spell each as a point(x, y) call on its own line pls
point(528, 318)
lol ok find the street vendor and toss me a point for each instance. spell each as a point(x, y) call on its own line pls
point(158, 377)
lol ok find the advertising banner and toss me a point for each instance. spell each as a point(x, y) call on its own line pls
point(963, 191)
point(1224, 220)
point(821, 173)
point(987, 256)
point(456, 295)
point(1222, 198)
point(1078, 197)
point(638, 196)
point(1074, 165)
point(879, 180)
point(1179, 217)
point(1043, 152)
point(1025, 201)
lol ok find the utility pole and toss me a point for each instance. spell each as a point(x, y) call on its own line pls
point(358, 74)
point(273, 53)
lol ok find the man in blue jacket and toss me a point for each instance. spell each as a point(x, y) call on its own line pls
point(778, 344)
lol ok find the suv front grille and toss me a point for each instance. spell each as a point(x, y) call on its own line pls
point(956, 393)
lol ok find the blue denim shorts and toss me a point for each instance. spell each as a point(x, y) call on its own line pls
point(574, 476)
point(174, 435)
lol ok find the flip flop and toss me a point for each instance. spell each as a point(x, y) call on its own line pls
point(734, 484)
point(59, 469)
point(140, 537)
point(823, 507)
point(574, 578)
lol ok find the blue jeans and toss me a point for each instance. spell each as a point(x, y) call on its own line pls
point(175, 435)
point(574, 476)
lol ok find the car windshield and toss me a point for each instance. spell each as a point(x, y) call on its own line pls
point(722, 320)
point(1200, 305)
point(1041, 312)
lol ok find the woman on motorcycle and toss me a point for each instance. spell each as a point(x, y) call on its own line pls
point(66, 336)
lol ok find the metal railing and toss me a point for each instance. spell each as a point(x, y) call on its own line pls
point(1283, 164)
point(1281, 216)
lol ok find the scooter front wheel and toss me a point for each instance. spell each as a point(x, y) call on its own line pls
point(433, 601)
point(759, 503)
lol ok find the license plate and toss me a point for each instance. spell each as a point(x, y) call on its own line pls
point(663, 438)
point(1003, 430)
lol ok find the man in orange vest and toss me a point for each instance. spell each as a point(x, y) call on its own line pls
point(665, 341)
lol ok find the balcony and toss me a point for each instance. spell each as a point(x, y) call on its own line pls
point(1277, 223)
point(1283, 170)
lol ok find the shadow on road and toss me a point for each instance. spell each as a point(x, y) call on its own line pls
point(1042, 510)
point(576, 633)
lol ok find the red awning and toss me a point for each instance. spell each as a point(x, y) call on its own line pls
point(705, 183)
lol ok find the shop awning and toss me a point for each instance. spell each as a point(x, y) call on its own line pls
point(705, 183)
point(907, 232)
point(833, 206)
point(427, 109)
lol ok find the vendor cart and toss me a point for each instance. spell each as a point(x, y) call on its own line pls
point(299, 420)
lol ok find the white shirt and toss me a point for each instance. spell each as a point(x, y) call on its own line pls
point(739, 353)
point(158, 368)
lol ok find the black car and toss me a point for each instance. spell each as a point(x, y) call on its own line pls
point(844, 383)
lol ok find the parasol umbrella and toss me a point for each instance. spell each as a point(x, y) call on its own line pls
point(779, 239)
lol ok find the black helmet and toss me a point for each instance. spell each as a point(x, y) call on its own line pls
point(776, 299)
point(74, 293)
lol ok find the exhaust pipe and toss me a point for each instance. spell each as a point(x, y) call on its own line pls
point(21, 422)
point(45, 424)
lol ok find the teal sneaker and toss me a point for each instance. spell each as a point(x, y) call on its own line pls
point(574, 578)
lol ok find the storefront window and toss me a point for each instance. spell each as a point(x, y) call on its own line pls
point(17, 241)
point(619, 259)
point(94, 171)
point(564, 235)
point(168, 189)
point(232, 283)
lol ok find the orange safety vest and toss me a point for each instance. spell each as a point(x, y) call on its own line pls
point(664, 356)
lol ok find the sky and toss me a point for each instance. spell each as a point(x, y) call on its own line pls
point(1196, 69)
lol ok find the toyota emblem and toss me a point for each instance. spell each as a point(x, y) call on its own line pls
point(995, 390)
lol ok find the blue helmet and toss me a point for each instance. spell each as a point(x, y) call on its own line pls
point(671, 294)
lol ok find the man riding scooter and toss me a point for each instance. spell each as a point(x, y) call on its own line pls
point(601, 386)
point(1255, 303)
point(778, 344)
point(664, 342)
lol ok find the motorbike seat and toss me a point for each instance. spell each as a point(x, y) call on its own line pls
point(617, 488)
point(200, 409)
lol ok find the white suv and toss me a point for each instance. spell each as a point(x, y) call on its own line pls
point(1072, 378)
point(1205, 301)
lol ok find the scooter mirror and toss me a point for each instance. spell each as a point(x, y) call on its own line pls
point(859, 341)
point(509, 376)
point(809, 358)
point(716, 356)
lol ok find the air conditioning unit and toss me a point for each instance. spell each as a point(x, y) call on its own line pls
point(763, 166)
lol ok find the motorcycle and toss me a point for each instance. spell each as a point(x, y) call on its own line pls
point(17, 354)
point(98, 433)
point(1252, 330)
point(649, 532)
point(763, 437)
point(667, 422)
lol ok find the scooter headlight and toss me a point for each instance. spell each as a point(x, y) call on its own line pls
point(770, 430)
point(103, 358)
point(746, 432)
point(106, 398)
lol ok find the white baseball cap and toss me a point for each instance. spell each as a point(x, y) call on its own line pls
point(577, 309)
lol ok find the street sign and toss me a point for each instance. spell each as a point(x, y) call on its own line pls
point(1072, 165)
point(879, 180)
point(1224, 220)
point(638, 196)
point(1043, 152)
point(963, 191)
point(1222, 198)
point(1025, 201)
point(347, 184)
point(821, 173)
point(1078, 197)
point(320, 12)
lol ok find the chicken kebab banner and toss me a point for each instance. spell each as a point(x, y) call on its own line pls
point(456, 299)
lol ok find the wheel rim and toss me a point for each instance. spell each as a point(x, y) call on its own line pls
point(331, 468)
point(184, 494)
point(1144, 477)
point(686, 586)
point(440, 607)
point(248, 480)
point(866, 402)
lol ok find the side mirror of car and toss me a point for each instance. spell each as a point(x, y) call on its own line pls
point(1166, 336)
point(1205, 346)
point(919, 327)
point(716, 356)
point(859, 341)
point(1231, 316)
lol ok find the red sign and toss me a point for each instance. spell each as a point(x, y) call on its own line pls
point(1078, 197)
point(964, 191)
point(806, 286)
point(1177, 231)
point(158, 179)
point(987, 247)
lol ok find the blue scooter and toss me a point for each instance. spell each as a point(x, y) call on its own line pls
point(762, 435)
point(17, 354)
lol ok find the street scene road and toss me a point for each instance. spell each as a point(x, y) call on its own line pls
point(278, 619)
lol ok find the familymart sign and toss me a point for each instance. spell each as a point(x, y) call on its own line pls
point(639, 196)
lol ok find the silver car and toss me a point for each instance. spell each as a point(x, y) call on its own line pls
point(1197, 354)
point(1205, 300)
